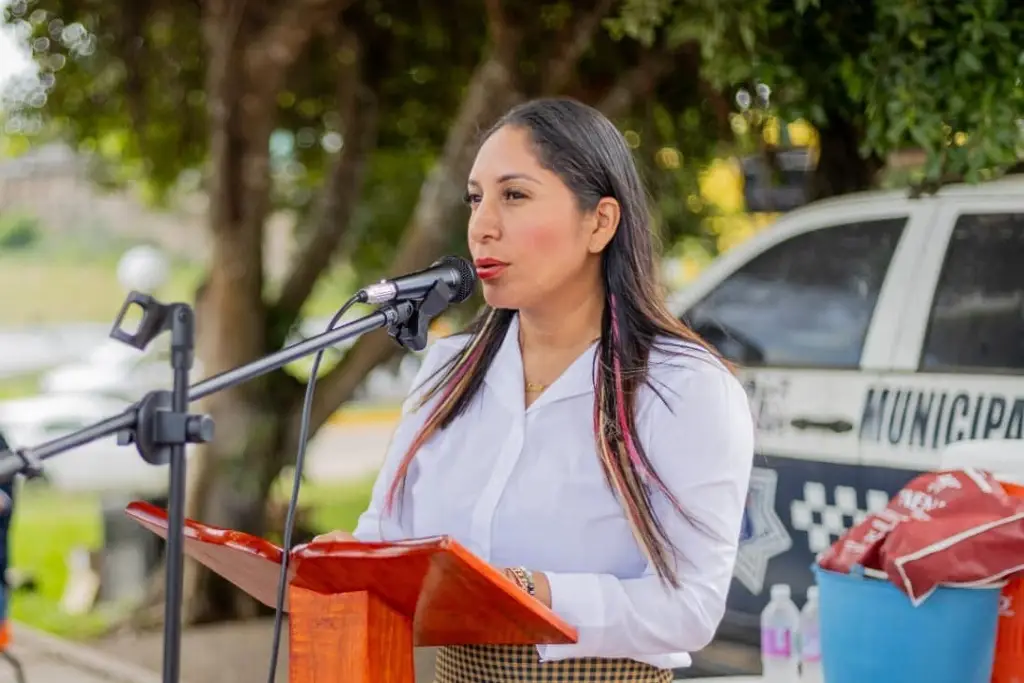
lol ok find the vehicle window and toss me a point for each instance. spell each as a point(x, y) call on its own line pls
point(807, 301)
point(977, 317)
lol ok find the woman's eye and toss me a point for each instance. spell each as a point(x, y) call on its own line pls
point(511, 194)
point(471, 198)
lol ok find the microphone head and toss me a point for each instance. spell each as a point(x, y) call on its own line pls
point(467, 277)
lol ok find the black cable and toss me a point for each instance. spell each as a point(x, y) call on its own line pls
point(282, 583)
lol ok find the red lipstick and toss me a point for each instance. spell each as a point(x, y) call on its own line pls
point(489, 268)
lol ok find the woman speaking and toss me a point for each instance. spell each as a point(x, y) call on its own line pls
point(577, 435)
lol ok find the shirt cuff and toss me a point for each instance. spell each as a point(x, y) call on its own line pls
point(579, 600)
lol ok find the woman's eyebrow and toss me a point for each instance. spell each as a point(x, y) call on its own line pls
point(505, 178)
point(517, 176)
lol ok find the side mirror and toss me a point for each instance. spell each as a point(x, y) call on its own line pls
point(734, 346)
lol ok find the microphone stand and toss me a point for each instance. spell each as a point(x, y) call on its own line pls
point(160, 426)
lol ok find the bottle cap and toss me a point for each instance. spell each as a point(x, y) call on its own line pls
point(812, 592)
point(781, 591)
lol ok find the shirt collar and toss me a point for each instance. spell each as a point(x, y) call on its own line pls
point(505, 376)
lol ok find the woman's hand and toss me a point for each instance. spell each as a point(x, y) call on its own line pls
point(541, 586)
point(331, 536)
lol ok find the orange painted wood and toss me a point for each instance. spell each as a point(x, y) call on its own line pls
point(451, 596)
point(351, 637)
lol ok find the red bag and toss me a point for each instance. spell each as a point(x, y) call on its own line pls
point(953, 527)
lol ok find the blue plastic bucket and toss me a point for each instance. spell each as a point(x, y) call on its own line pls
point(870, 631)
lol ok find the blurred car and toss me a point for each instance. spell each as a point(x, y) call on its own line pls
point(32, 349)
point(391, 382)
point(115, 369)
point(388, 383)
point(100, 466)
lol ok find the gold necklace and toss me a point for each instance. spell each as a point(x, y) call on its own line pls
point(534, 387)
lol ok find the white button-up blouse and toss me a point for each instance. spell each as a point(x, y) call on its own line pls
point(524, 486)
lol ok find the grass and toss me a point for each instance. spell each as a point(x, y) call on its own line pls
point(333, 506)
point(60, 286)
point(49, 524)
point(19, 386)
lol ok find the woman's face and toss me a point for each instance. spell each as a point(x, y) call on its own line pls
point(528, 238)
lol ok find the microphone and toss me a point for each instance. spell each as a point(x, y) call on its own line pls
point(455, 272)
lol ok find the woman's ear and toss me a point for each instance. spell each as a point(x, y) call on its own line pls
point(605, 223)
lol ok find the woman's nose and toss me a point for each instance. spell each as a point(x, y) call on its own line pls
point(485, 222)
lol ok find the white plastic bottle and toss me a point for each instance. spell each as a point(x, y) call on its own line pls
point(780, 628)
point(810, 641)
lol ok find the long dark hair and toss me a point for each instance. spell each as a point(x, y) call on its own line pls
point(590, 155)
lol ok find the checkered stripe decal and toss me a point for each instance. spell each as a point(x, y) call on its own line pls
point(824, 520)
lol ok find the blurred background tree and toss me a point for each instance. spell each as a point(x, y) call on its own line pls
point(359, 120)
point(941, 77)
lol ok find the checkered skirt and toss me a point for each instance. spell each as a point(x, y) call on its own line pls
point(521, 664)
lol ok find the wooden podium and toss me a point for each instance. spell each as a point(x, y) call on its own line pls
point(356, 610)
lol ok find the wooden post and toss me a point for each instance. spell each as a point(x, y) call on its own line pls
point(352, 637)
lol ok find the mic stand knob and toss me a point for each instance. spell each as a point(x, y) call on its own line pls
point(411, 331)
point(158, 427)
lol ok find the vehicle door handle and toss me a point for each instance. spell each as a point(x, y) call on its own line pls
point(837, 426)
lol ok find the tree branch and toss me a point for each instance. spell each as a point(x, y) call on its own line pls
point(505, 35)
point(653, 65)
point(136, 52)
point(720, 105)
point(561, 67)
point(278, 45)
point(341, 191)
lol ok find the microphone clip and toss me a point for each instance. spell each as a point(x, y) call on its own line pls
point(411, 331)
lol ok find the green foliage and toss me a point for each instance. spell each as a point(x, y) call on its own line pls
point(126, 81)
point(390, 192)
point(417, 60)
point(18, 231)
point(19, 386)
point(940, 75)
point(47, 526)
point(333, 505)
point(947, 76)
point(123, 81)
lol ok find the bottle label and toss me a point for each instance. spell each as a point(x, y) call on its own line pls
point(776, 642)
point(810, 647)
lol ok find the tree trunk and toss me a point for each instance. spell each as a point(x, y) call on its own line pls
point(231, 324)
point(247, 57)
point(841, 167)
point(342, 188)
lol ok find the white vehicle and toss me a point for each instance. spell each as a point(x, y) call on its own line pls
point(113, 368)
point(100, 466)
point(871, 331)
